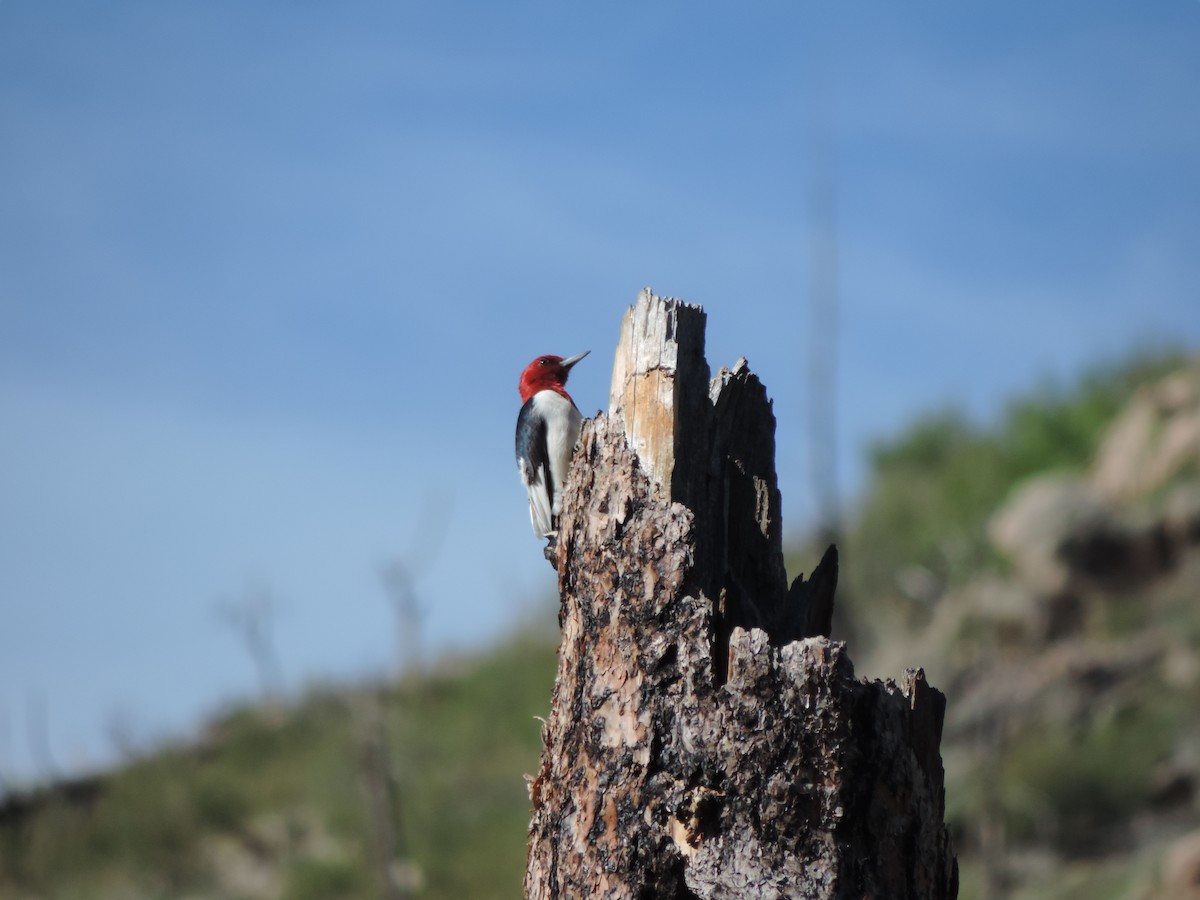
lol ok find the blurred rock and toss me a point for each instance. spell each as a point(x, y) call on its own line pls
point(1154, 438)
point(1181, 514)
point(1039, 516)
point(253, 864)
point(1172, 787)
point(1181, 869)
point(919, 583)
point(1004, 605)
point(1118, 552)
point(1062, 537)
point(1181, 667)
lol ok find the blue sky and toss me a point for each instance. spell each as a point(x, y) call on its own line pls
point(269, 273)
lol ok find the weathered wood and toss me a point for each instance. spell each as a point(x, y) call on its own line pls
point(700, 742)
point(659, 381)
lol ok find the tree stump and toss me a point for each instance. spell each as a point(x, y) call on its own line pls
point(706, 739)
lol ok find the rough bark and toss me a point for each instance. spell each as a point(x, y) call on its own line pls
point(704, 739)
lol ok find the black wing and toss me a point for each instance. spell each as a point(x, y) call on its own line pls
point(532, 446)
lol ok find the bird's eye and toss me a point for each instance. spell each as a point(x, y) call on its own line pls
point(542, 362)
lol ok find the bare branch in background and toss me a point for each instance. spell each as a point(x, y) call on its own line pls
point(395, 876)
point(37, 723)
point(823, 325)
point(7, 778)
point(121, 730)
point(399, 576)
point(252, 618)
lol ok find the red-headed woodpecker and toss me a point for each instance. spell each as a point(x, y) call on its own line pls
point(547, 430)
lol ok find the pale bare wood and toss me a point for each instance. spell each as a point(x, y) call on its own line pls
point(660, 352)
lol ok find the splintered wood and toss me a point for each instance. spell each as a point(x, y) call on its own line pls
point(660, 352)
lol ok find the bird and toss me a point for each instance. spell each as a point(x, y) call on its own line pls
point(547, 429)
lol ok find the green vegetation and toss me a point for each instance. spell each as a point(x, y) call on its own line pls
point(317, 879)
point(272, 803)
point(934, 486)
point(1064, 788)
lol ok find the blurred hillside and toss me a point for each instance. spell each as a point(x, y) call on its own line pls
point(1044, 569)
point(293, 803)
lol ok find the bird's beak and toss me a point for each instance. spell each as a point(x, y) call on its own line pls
point(571, 360)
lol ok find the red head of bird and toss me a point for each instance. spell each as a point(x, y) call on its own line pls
point(548, 373)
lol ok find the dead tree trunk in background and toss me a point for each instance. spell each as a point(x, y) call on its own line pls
point(701, 741)
point(381, 795)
